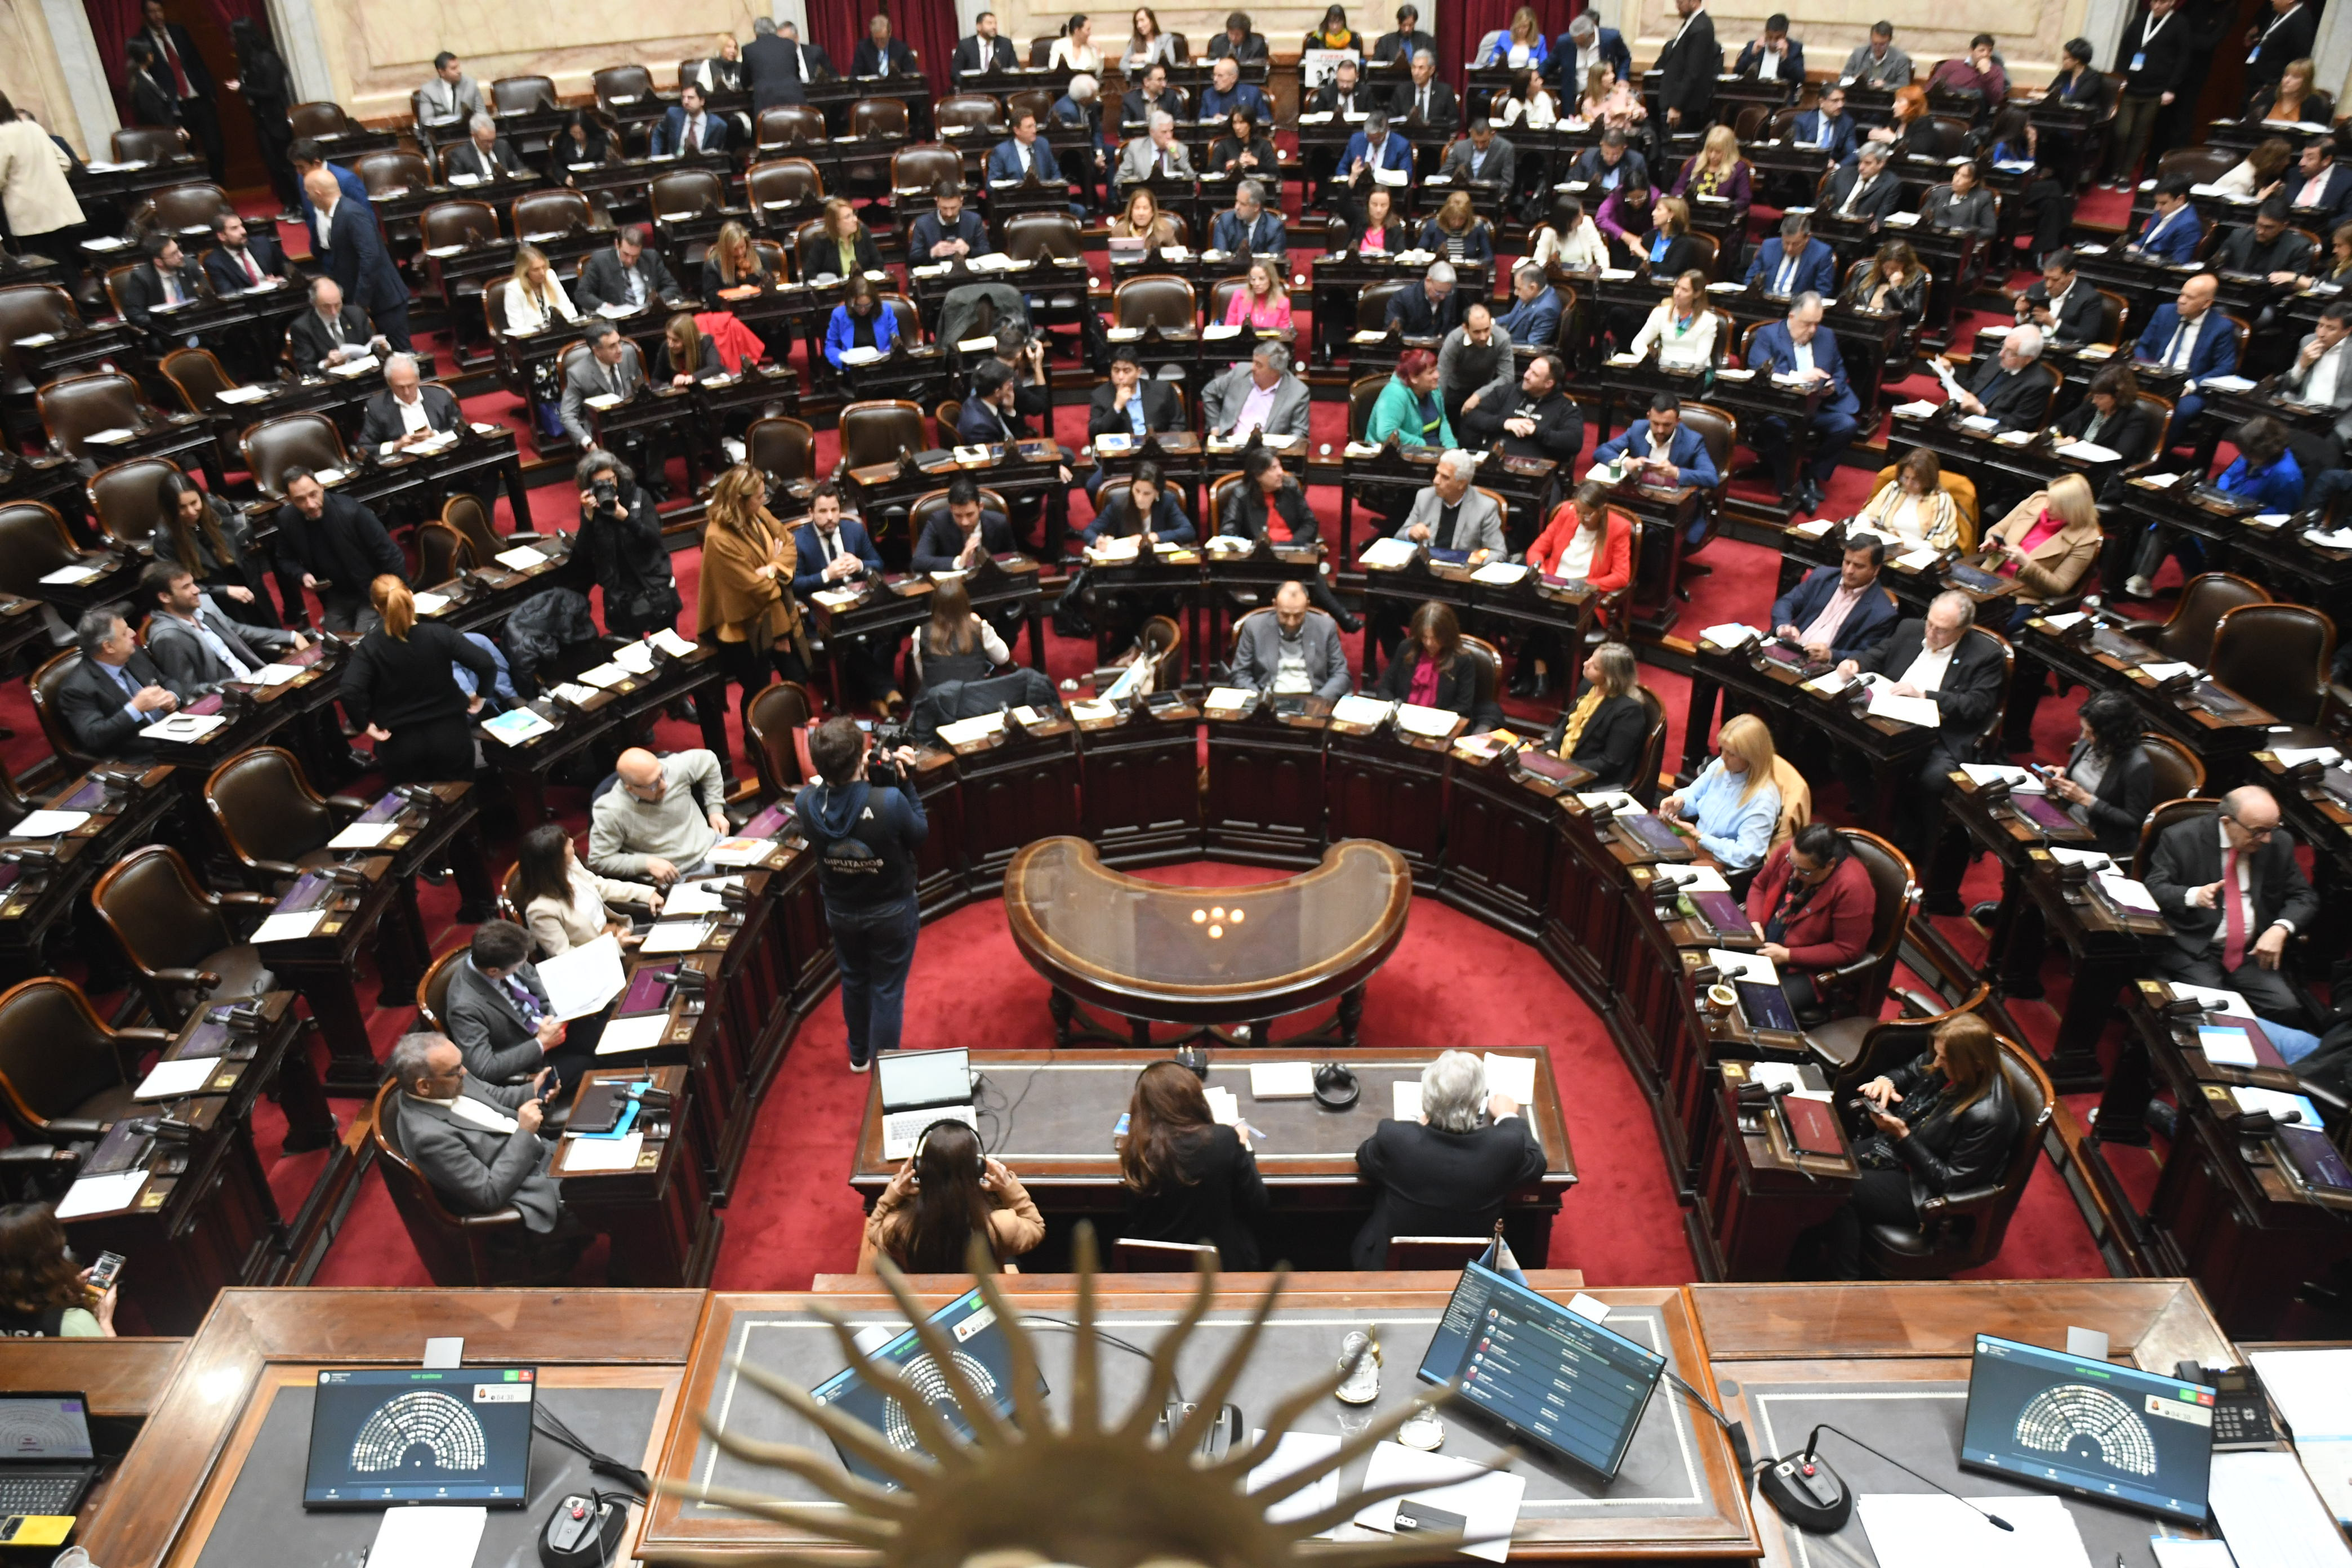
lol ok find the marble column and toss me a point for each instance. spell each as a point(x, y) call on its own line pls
point(294, 24)
point(792, 11)
point(2331, 52)
point(85, 77)
point(2103, 22)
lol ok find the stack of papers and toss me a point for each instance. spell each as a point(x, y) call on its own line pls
point(287, 928)
point(1225, 1106)
point(1354, 710)
point(1928, 1529)
point(1784, 1075)
point(1499, 573)
point(1487, 1502)
point(584, 979)
point(698, 898)
point(2018, 779)
point(278, 674)
point(2089, 452)
point(674, 936)
point(170, 1080)
point(2313, 1390)
point(2270, 1515)
point(74, 575)
point(2128, 894)
point(363, 835)
point(517, 726)
point(522, 558)
point(1615, 800)
point(48, 824)
point(642, 1033)
point(102, 1194)
point(1920, 711)
point(2296, 756)
point(2091, 857)
point(1743, 966)
point(1387, 554)
point(1282, 1080)
point(432, 603)
point(1513, 1076)
point(1731, 634)
point(739, 851)
point(1436, 724)
point(585, 1154)
point(966, 732)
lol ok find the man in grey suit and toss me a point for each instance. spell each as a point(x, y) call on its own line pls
point(198, 648)
point(115, 693)
point(1295, 650)
point(499, 1017)
point(478, 1143)
point(450, 95)
point(611, 367)
point(1157, 153)
point(1260, 393)
point(1483, 155)
point(1450, 515)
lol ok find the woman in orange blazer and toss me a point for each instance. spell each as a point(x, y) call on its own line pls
point(1585, 542)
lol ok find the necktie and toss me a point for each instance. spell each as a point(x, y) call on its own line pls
point(252, 272)
point(612, 375)
point(2233, 916)
point(2176, 353)
point(1424, 104)
point(694, 134)
point(1788, 269)
point(170, 286)
point(1854, 195)
point(525, 1002)
point(172, 58)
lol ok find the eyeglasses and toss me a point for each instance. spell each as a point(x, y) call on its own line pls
point(2257, 833)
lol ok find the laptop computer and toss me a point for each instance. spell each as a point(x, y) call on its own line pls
point(46, 1462)
point(919, 1088)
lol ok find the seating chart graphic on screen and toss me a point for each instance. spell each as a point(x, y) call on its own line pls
point(2071, 1424)
point(44, 1428)
point(978, 1353)
point(412, 1434)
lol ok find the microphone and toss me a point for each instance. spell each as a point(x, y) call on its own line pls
point(1811, 1496)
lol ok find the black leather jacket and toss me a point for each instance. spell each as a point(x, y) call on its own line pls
point(1950, 1151)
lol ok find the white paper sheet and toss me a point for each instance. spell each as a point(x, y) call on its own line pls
point(1743, 966)
point(427, 1537)
point(2328, 1461)
point(2067, 855)
point(1298, 1451)
point(1513, 1076)
point(2313, 1389)
point(1415, 720)
point(2179, 1552)
point(432, 603)
point(1731, 634)
point(1281, 1081)
point(2018, 779)
point(1591, 1308)
point(2228, 1046)
point(642, 1033)
point(2164, 671)
point(1404, 1100)
point(2216, 999)
point(1616, 800)
point(2270, 1515)
point(102, 1194)
point(522, 558)
point(2279, 1104)
point(697, 897)
point(582, 980)
point(363, 835)
point(669, 642)
point(48, 824)
point(1355, 709)
point(603, 1153)
point(2129, 894)
point(185, 727)
point(1487, 1501)
point(1387, 554)
point(1928, 1529)
point(674, 936)
point(287, 928)
point(1920, 711)
point(169, 1080)
point(1699, 879)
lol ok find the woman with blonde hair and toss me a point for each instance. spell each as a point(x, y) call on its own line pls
point(1608, 102)
point(2259, 173)
point(2048, 541)
point(1522, 47)
point(535, 296)
point(846, 247)
point(1914, 506)
point(1457, 233)
point(397, 688)
point(687, 354)
point(1143, 220)
point(1716, 169)
point(733, 261)
point(1733, 804)
point(2292, 99)
point(1261, 303)
point(743, 603)
point(1603, 733)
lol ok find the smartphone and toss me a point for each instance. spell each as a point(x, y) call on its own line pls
point(103, 1272)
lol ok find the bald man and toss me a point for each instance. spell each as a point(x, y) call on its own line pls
point(347, 246)
point(659, 818)
point(2232, 894)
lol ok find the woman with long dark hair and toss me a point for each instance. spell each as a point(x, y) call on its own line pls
point(42, 1294)
point(562, 903)
point(1432, 670)
point(946, 1193)
point(398, 688)
point(1188, 1178)
point(268, 88)
point(209, 537)
point(582, 139)
point(955, 644)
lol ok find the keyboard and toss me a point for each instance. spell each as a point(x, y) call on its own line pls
point(39, 1494)
point(901, 1129)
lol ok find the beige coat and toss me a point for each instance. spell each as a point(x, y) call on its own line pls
point(2059, 561)
point(34, 191)
point(1014, 1226)
point(560, 928)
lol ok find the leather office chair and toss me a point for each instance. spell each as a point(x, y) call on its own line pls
point(1034, 101)
point(975, 111)
point(945, 420)
point(147, 145)
point(123, 499)
point(43, 689)
point(515, 94)
point(275, 825)
point(1167, 303)
point(181, 208)
point(910, 320)
point(1709, 250)
point(1860, 987)
point(782, 190)
point(2114, 311)
point(541, 215)
point(2178, 773)
point(787, 124)
point(1652, 759)
point(385, 174)
point(442, 553)
point(177, 936)
point(63, 1074)
point(2201, 164)
point(1720, 431)
point(1957, 485)
point(1963, 1229)
point(319, 118)
point(1163, 642)
point(878, 430)
point(75, 407)
point(275, 448)
point(620, 86)
point(1065, 303)
point(878, 117)
point(2276, 655)
point(782, 448)
point(2165, 813)
point(457, 1249)
point(471, 518)
point(771, 716)
point(458, 223)
point(1131, 1255)
point(1373, 303)
point(934, 504)
point(197, 376)
point(1220, 296)
point(27, 311)
point(1446, 1254)
point(33, 544)
point(115, 279)
point(2187, 636)
point(1362, 393)
point(1852, 1051)
point(916, 171)
point(692, 192)
point(433, 990)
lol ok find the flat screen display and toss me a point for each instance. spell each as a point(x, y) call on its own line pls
point(2069, 1424)
point(972, 1327)
point(388, 1435)
point(1555, 1378)
point(46, 1427)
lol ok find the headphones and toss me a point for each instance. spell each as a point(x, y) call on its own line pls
point(979, 1157)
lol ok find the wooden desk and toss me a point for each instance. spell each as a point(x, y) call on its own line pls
point(608, 719)
point(1890, 1362)
point(663, 1231)
point(1677, 1497)
point(1891, 747)
point(42, 907)
point(1756, 1193)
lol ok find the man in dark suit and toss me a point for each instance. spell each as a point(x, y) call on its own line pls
point(2284, 35)
point(1483, 155)
point(958, 537)
point(2012, 386)
point(948, 232)
point(1227, 91)
point(1022, 153)
point(1407, 41)
point(1586, 44)
point(631, 273)
point(1666, 450)
point(775, 68)
point(1794, 263)
point(610, 368)
point(983, 51)
point(1130, 404)
point(166, 279)
point(690, 127)
point(1238, 42)
point(331, 332)
point(1827, 125)
point(1839, 612)
point(349, 245)
point(879, 54)
point(242, 258)
point(1934, 658)
point(406, 411)
point(1773, 56)
point(499, 1017)
point(199, 649)
point(486, 155)
point(2067, 310)
point(1426, 102)
point(1688, 66)
point(2187, 333)
point(2232, 894)
point(1430, 310)
point(831, 550)
point(1606, 162)
point(182, 68)
point(1249, 228)
point(1374, 148)
point(115, 691)
point(2267, 247)
point(1864, 188)
point(1797, 347)
point(307, 155)
point(990, 418)
point(337, 547)
point(2321, 183)
point(1345, 93)
point(1152, 96)
point(1449, 1172)
point(478, 1143)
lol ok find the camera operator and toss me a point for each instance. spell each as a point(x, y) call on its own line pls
point(620, 541)
point(865, 823)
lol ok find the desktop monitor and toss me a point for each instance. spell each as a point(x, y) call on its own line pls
point(2070, 1424)
point(970, 1323)
point(387, 1436)
point(1554, 1378)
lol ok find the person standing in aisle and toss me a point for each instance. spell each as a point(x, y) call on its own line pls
point(865, 824)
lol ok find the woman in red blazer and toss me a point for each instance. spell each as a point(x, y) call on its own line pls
point(1814, 904)
point(1582, 531)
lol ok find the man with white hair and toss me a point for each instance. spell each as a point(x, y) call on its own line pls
point(1587, 43)
point(2010, 388)
point(1156, 153)
point(483, 155)
point(1449, 1172)
point(1430, 310)
point(2231, 896)
point(1249, 229)
point(1935, 658)
point(406, 411)
point(1452, 515)
point(1259, 394)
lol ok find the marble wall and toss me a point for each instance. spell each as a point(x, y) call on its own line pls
point(2030, 32)
point(33, 78)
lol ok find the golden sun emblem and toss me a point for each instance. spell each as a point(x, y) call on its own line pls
point(1034, 1491)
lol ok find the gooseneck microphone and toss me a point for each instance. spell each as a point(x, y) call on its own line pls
point(1811, 1496)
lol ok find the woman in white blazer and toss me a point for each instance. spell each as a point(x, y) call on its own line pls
point(563, 903)
point(34, 191)
point(536, 300)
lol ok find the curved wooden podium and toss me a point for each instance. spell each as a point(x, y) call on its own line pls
point(1152, 951)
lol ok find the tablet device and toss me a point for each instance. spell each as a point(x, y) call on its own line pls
point(2070, 1424)
point(971, 1325)
point(387, 1436)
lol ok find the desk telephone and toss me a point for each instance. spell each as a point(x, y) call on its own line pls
point(2242, 1410)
